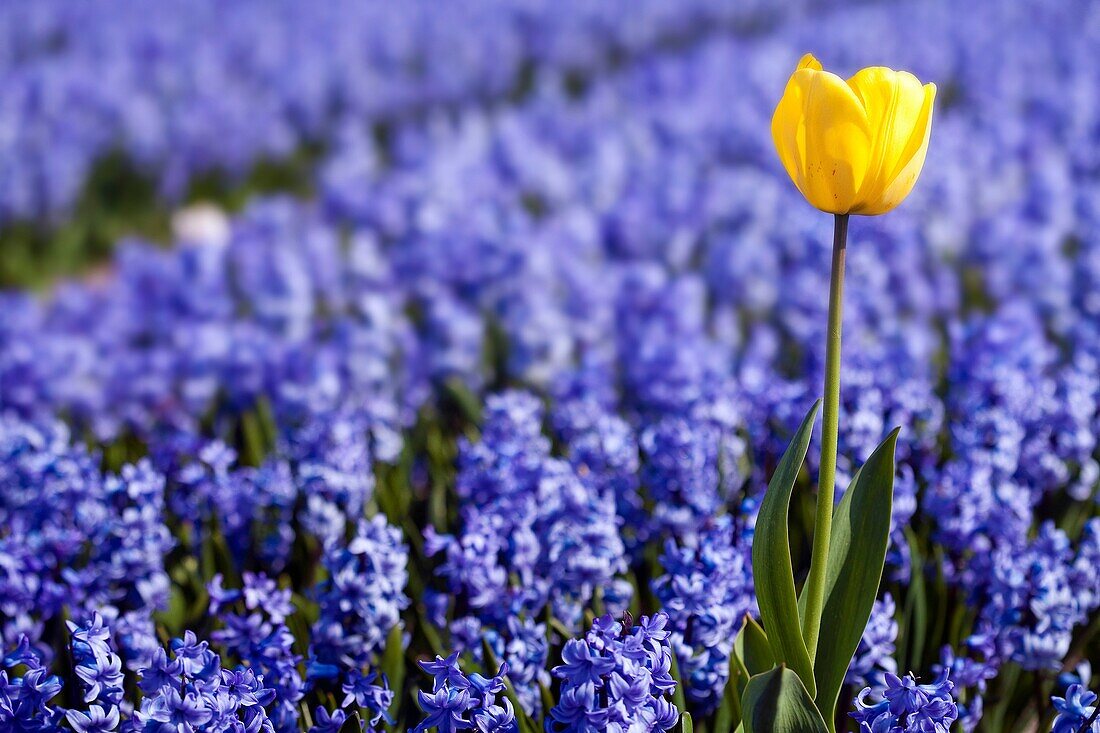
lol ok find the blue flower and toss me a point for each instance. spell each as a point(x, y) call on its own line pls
point(366, 693)
point(96, 720)
point(581, 663)
point(459, 701)
point(445, 709)
point(362, 600)
point(906, 706)
point(616, 678)
point(1074, 709)
point(496, 718)
point(325, 722)
point(706, 592)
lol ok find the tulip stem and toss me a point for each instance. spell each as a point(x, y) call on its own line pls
point(823, 524)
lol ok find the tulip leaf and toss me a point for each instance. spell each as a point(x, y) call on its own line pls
point(751, 654)
point(777, 702)
point(857, 553)
point(771, 560)
point(752, 647)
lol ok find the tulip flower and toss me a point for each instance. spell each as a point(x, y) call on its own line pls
point(856, 146)
point(851, 147)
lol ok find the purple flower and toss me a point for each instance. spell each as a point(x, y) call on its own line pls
point(1074, 709)
point(616, 677)
point(445, 710)
point(906, 706)
point(706, 592)
point(366, 693)
point(96, 720)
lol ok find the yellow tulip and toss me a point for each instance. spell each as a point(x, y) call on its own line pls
point(856, 146)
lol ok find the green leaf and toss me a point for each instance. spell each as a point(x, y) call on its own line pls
point(174, 617)
point(685, 724)
point(678, 698)
point(393, 660)
point(771, 560)
point(729, 712)
point(547, 697)
point(752, 647)
point(751, 655)
point(435, 642)
point(857, 552)
point(777, 702)
point(916, 607)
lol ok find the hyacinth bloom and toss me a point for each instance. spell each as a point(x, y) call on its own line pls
point(855, 146)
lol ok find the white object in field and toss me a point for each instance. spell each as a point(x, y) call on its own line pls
point(201, 224)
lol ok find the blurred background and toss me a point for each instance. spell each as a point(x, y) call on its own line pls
point(115, 116)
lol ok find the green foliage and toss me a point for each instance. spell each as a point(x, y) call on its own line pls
point(777, 702)
point(678, 697)
point(751, 655)
point(393, 661)
point(771, 560)
point(857, 553)
point(120, 199)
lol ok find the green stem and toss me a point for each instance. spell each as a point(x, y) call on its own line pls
point(823, 524)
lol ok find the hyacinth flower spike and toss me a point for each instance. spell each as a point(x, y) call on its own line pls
point(850, 147)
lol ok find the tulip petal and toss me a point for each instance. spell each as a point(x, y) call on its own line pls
point(897, 109)
point(828, 158)
point(789, 132)
point(838, 143)
point(905, 177)
point(808, 61)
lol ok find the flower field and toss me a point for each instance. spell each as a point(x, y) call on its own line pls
point(409, 367)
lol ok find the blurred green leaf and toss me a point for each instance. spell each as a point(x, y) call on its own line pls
point(916, 607)
point(175, 616)
point(685, 723)
point(857, 553)
point(547, 697)
point(393, 660)
point(771, 559)
point(777, 702)
point(729, 711)
point(300, 630)
point(435, 641)
point(254, 450)
point(678, 698)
